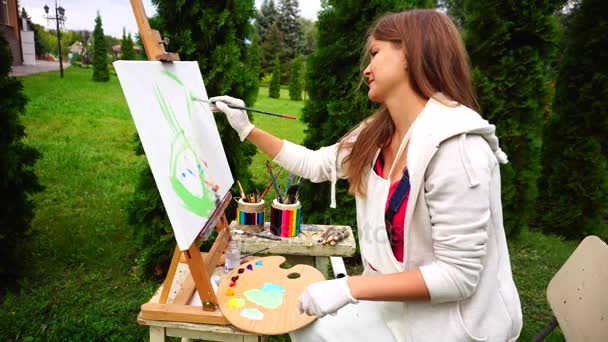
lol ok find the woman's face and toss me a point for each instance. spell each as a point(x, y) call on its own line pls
point(386, 70)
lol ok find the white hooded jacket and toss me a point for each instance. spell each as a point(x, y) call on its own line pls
point(453, 227)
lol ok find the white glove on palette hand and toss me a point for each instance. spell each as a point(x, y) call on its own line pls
point(236, 117)
point(325, 297)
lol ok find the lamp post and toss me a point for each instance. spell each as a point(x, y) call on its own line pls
point(59, 19)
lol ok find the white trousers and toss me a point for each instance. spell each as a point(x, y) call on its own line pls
point(354, 322)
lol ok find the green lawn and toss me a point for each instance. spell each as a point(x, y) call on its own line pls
point(80, 285)
point(293, 130)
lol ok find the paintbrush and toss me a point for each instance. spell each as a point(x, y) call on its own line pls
point(292, 192)
point(248, 109)
point(290, 179)
point(269, 185)
point(241, 190)
point(261, 250)
point(274, 182)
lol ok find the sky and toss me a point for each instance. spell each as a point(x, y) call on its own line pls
point(116, 14)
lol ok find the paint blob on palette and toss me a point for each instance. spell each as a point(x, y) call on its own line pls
point(261, 296)
point(236, 302)
point(269, 296)
point(252, 314)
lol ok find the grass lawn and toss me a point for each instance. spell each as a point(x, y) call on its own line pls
point(80, 284)
point(293, 130)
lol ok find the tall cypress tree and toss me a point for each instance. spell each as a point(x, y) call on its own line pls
point(101, 73)
point(295, 79)
point(337, 103)
point(17, 178)
point(511, 45)
point(274, 90)
point(127, 52)
point(216, 35)
point(573, 187)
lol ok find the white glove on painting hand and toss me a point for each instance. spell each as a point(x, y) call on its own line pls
point(236, 117)
point(325, 297)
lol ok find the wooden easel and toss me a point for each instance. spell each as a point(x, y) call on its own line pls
point(201, 265)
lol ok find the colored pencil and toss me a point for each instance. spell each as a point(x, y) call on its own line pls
point(285, 116)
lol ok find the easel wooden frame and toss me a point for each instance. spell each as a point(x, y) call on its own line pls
point(201, 265)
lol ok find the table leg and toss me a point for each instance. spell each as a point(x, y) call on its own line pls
point(322, 264)
point(157, 334)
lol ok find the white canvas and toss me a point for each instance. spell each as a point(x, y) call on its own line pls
point(180, 138)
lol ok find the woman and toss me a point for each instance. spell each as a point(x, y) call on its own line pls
point(424, 170)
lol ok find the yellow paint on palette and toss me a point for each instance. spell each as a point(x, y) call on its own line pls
point(236, 302)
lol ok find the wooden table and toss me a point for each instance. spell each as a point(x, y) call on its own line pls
point(298, 249)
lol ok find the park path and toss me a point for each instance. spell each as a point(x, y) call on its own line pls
point(41, 66)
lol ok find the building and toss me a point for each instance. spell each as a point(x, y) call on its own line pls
point(10, 28)
point(77, 48)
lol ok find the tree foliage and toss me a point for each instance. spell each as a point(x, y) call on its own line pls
point(17, 178)
point(309, 35)
point(101, 73)
point(295, 79)
point(266, 16)
point(511, 45)
point(272, 46)
point(337, 102)
point(216, 35)
point(274, 90)
point(290, 27)
point(573, 187)
point(127, 52)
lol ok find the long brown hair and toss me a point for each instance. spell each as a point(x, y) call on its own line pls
point(437, 62)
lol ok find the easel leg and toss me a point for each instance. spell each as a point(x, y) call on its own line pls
point(157, 334)
point(170, 274)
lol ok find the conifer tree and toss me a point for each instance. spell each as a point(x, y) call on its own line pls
point(266, 16)
point(17, 178)
point(295, 79)
point(272, 46)
point(288, 15)
point(101, 73)
point(216, 35)
point(253, 60)
point(573, 187)
point(337, 103)
point(274, 90)
point(127, 52)
point(511, 45)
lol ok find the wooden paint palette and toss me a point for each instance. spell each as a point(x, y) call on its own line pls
point(268, 295)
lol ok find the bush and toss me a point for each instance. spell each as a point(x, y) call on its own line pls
point(295, 79)
point(512, 45)
point(229, 67)
point(266, 79)
point(574, 180)
point(337, 103)
point(17, 178)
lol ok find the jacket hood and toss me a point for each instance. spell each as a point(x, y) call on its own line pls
point(447, 119)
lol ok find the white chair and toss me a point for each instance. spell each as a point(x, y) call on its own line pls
point(577, 294)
